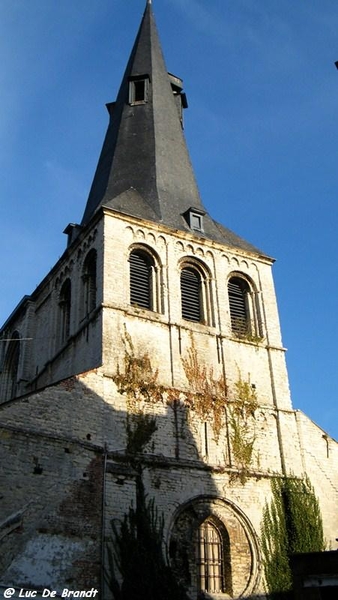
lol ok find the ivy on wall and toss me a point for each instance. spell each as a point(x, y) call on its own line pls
point(207, 398)
point(207, 395)
point(292, 523)
point(138, 379)
point(241, 411)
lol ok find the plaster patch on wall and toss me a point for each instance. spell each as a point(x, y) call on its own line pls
point(45, 562)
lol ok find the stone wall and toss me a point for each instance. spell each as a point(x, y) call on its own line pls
point(50, 511)
point(67, 457)
point(44, 356)
point(167, 335)
point(53, 447)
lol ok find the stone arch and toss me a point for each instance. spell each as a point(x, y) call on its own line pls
point(145, 278)
point(240, 545)
point(196, 291)
point(244, 308)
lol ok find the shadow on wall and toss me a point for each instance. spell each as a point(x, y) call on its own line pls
point(70, 462)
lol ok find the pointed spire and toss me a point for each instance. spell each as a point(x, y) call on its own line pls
point(144, 168)
point(144, 149)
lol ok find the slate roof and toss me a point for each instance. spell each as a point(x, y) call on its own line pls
point(144, 169)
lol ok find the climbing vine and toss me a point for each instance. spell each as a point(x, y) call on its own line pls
point(139, 382)
point(292, 523)
point(207, 398)
point(138, 379)
point(207, 395)
point(241, 410)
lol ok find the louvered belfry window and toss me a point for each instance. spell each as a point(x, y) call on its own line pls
point(141, 279)
point(238, 291)
point(191, 294)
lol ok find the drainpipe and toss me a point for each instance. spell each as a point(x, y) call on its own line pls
point(103, 522)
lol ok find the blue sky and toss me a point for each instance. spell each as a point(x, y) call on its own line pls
point(262, 130)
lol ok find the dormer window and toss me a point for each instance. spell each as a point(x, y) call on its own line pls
point(194, 218)
point(196, 222)
point(138, 89)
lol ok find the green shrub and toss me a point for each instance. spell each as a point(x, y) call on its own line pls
point(292, 523)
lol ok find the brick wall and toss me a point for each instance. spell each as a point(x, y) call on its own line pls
point(55, 492)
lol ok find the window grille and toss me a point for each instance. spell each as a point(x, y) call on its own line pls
point(238, 290)
point(141, 279)
point(210, 561)
point(191, 294)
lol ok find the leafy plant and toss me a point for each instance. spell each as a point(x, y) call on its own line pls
point(140, 429)
point(207, 398)
point(242, 447)
point(241, 409)
point(292, 523)
point(138, 380)
point(136, 554)
point(243, 330)
point(208, 395)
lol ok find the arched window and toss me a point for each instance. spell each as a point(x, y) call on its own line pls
point(65, 305)
point(213, 559)
point(89, 282)
point(238, 290)
point(191, 294)
point(11, 366)
point(196, 292)
point(144, 284)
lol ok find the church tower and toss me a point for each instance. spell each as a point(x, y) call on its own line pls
point(150, 352)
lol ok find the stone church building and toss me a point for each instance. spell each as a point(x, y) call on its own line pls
point(152, 346)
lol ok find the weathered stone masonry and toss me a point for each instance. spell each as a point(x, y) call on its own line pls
point(154, 311)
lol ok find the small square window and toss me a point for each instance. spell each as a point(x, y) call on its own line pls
point(194, 218)
point(196, 222)
point(138, 90)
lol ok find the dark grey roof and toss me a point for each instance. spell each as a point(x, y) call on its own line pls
point(144, 168)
